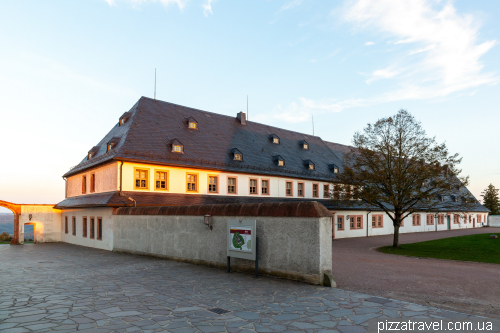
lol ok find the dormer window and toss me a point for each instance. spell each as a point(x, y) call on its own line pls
point(123, 119)
point(237, 155)
point(192, 123)
point(334, 168)
point(177, 146)
point(279, 160)
point(304, 144)
point(309, 165)
point(92, 152)
point(112, 143)
point(275, 139)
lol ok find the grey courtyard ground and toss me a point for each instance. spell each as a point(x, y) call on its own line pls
point(462, 286)
point(68, 288)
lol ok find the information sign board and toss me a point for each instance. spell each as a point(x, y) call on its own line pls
point(241, 239)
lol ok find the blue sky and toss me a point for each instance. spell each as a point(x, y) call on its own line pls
point(69, 69)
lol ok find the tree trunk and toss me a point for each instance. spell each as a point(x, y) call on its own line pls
point(395, 243)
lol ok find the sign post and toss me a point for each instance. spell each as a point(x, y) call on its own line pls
point(242, 242)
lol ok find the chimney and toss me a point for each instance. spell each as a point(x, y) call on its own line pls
point(241, 116)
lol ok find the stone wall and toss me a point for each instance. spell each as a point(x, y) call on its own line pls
point(494, 221)
point(46, 221)
point(294, 238)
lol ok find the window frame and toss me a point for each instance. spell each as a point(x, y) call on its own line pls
point(99, 229)
point(197, 182)
point(256, 186)
point(84, 184)
point(84, 226)
point(235, 185)
point(317, 190)
point(456, 218)
point(175, 151)
point(415, 219)
point(355, 222)
point(73, 225)
point(216, 184)
point(303, 190)
point(268, 186)
point(378, 218)
point(92, 227)
point(92, 182)
point(429, 217)
point(291, 188)
point(342, 218)
point(328, 196)
point(440, 219)
point(167, 179)
point(147, 179)
point(195, 127)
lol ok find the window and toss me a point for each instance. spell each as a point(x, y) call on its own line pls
point(430, 219)
point(311, 166)
point(237, 157)
point(253, 186)
point(416, 219)
point(92, 182)
point(326, 191)
point(66, 224)
point(231, 185)
point(305, 146)
point(377, 221)
point(340, 222)
point(334, 168)
point(440, 219)
point(288, 189)
point(315, 191)
point(281, 163)
point(176, 148)
point(402, 221)
point(470, 218)
point(161, 180)
point(84, 225)
point(193, 125)
point(300, 189)
point(276, 141)
point(212, 184)
point(141, 179)
point(356, 221)
point(192, 182)
point(99, 228)
point(92, 228)
point(84, 184)
point(478, 218)
point(456, 218)
point(264, 187)
point(108, 147)
point(73, 225)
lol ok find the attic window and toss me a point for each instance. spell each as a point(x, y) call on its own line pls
point(123, 119)
point(192, 123)
point(275, 139)
point(112, 143)
point(304, 144)
point(309, 165)
point(109, 147)
point(237, 155)
point(177, 148)
point(92, 152)
point(280, 161)
point(334, 168)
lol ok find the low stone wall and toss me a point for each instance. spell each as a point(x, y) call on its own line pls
point(294, 238)
point(494, 221)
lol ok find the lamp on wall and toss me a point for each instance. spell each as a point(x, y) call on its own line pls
point(207, 221)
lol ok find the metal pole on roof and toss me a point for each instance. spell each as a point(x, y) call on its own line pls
point(155, 84)
point(247, 108)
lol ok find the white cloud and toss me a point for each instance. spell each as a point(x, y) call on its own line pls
point(447, 57)
point(369, 43)
point(291, 5)
point(180, 3)
point(207, 7)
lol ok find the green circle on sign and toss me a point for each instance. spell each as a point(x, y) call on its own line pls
point(238, 240)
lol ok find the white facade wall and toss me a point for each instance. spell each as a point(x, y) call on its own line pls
point(178, 182)
point(106, 213)
point(407, 227)
point(494, 221)
point(46, 221)
point(106, 179)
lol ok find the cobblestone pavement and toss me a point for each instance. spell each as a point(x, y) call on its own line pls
point(68, 288)
point(462, 286)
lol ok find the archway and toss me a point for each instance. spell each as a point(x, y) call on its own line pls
point(34, 232)
point(16, 209)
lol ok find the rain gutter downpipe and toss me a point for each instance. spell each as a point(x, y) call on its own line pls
point(367, 222)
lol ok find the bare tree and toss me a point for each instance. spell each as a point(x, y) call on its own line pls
point(396, 167)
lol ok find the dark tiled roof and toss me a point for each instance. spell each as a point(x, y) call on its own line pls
point(144, 199)
point(153, 125)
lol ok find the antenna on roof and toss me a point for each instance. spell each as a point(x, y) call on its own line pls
point(247, 107)
point(155, 84)
point(313, 122)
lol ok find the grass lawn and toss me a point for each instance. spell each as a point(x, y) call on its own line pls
point(478, 248)
point(26, 242)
